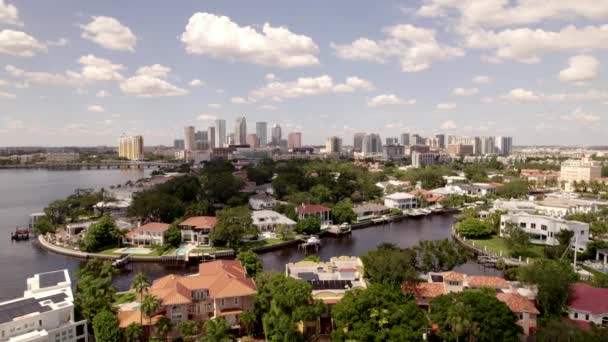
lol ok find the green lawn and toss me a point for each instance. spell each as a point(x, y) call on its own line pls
point(497, 245)
point(110, 251)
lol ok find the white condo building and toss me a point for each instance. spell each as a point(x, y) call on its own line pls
point(503, 145)
point(372, 145)
point(189, 138)
point(333, 145)
point(401, 201)
point(131, 147)
point(261, 129)
point(276, 134)
point(44, 313)
point(220, 133)
point(543, 230)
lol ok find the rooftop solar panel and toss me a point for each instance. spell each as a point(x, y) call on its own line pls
point(51, 278)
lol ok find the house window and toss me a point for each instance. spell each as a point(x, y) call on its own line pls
point(222, 302)
point(586, 317)
point(576, 315)
point(522, 224)
point(236, 300)
point(453, 283)
point(543, 227)
point(533, 225)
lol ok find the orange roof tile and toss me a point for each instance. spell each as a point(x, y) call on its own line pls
point(430, 290)
point(484, 281)
point(200, 222)
point(153, 227)
point(517, 303)
point(453, 276)
point(126, 318)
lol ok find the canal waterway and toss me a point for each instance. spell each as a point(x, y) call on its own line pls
point(26, 191)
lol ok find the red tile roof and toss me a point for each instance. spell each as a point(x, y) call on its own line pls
point(588, 298)
point(312, 208)
point(517, 303)
point(153, 227)
point(485, 281)
point(200, 222)
point(429, 290)
point(453, 276)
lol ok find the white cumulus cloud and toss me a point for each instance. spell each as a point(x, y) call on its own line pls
point(448, 125)
point(446, 106)
point(20, 44)
point(241, 100)
point(220, 37)
point(581, 68)
point(96, 109)
point(465, 91)
point(109, 33)
point(214, 106)
point(388, 99)
point(413, 47)
point(207, 117)
point(196, 83)
point(9, 14)
point(482, 79)
point(149, 81)
point(103, 93)
point(581, 117)
point(310, 86)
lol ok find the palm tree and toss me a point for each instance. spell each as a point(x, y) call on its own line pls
point(132, 332)
point(461, 323)
point(216, 330)
point(188, 329)
point(163, 327)
point(149, 306)
point(140, 285)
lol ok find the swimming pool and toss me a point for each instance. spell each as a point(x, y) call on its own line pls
point(134, 250)
point(182, 250)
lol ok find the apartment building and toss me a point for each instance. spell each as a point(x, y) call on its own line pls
point(131, 147)
point(420, 159)
point(221, 288)
point(460, 150)
point(44, 313)
point(579, 170)
point(543, 229)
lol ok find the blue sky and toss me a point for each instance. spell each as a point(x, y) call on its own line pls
point(82, 73)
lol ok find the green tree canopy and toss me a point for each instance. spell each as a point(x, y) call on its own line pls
point(390, 265)
point(251, 262)
point(216, 330)
point(517, 240)
point(44, 225)
point(233, 224)
point(309, 226)
point(474, 315)
point(173, 235)
point(154, 205)
point(105, 326)
point(132, 332)
point(188, 330)
point(553, 279)
point(343, 212)
point(378, 313)
point(94, 290)
point(101, 235)
point(514, 189)
point(473, 228)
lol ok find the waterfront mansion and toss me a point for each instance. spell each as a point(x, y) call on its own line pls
point(221, 288)
point(543, 229)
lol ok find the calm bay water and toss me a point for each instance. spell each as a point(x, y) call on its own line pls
point(26, 191)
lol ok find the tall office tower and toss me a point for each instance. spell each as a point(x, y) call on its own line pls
point(416, 139)
point(294, 140)
point(240, 131)
point(131, 147)
point(178, 144)
point(487, 145)
point(503, 145)
point(372, 144)
point(405, 139)
point(211, 136)
point(441, 140)
point(220, 133)
point(201, 140)
point(261, 130)
point(276, 134)
point(452, 139)
point(230, 139)
point(392, 141)
point(253, 140)
point(189, 140)
point(358, 142)
point(473, 141)
point(333, 145)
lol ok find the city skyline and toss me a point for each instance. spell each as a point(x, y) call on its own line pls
point(81, 74)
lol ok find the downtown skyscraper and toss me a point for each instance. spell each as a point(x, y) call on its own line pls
point(220, 133)
point(240, 131)
point(261, 130)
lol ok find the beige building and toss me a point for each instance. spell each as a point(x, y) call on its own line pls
point(579, 170)
point(294, 140)
point(333, 145)
point(131, 147)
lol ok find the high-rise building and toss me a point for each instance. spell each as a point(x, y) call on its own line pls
point(405, 139)
point(392, 141)
point(211, 136)
point(178, 144)
point(460, 150)
point(253, 140)
point(372, 144)
point(579, 170)
point(441, 140)
point(240, 131)
point(131, 147)
point(333, 145)
point(276, 134)
point(189, 139)
point(230, 139)
point(424, 158)
point(473, 141)
point(220, 133)
point(358, 142)
point(487, 145)
point(416, 139)
point(261, 130)
point(503, 145)
point(201, 140)
point(294, 140)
